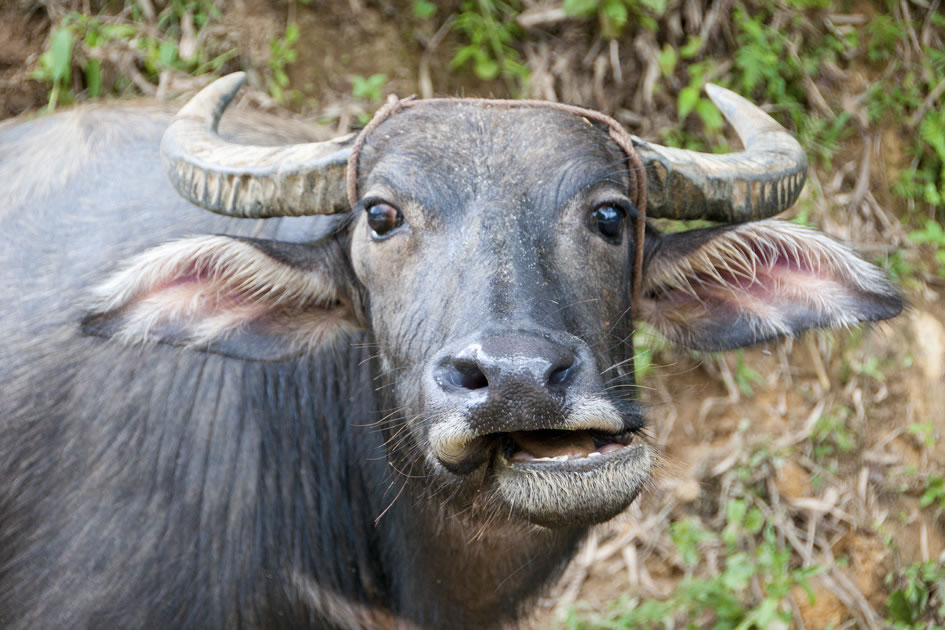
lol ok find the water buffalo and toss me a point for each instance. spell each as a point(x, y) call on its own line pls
point(405, 412)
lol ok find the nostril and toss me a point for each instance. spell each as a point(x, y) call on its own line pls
point(465, 375)
point(561, 374)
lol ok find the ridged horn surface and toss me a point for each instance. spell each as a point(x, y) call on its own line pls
point(761, 181)
point(250, 181)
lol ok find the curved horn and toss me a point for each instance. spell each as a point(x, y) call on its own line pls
point(759, 182)
point(250, 181)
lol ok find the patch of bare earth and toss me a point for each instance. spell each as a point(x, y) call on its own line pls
point(857, 514)
point(23, 32)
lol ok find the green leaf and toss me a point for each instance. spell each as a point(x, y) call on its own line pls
point(709, 114)
point(688, 97)
point(692, 47)
point(935, 491)
point(167, 54)
point(615, 11)
point(735, 511)
point(649, 23)
point(932, 233)
point(658, 7)
point(754, 520)
point(464, 54)
point(486, 68)
point(368, 89)
point(60, 58)
point(118, 31)
point(580, 7)
point(899, 608)
point(738, 572)
point(424, 9)
point(291, 34)
point(92, 38)
point(767, 613)
point(667, 60)
point(93, 78)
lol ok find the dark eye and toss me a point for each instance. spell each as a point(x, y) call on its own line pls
point(608, 221)
point(384, 218)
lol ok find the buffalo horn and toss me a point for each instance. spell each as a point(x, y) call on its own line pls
point(250, 181)
point(759, 182)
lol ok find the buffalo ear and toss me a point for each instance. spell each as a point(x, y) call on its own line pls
point(245, 298)
point(721, 288)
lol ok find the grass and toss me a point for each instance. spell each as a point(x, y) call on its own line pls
point(125, 52)
point(613, 16)
point(918, 601)
point(491, 30)
point(281, 53)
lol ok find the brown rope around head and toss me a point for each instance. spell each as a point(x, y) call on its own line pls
point(618, 134)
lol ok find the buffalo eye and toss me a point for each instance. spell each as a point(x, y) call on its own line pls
point(384, 218)
point(607, 220)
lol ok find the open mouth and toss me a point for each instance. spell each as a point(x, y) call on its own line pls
point(560, 445)
point(569, 478)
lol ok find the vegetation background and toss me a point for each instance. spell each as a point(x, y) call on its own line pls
point(804, 482)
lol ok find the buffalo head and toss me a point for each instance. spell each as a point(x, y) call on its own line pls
point(489, 249)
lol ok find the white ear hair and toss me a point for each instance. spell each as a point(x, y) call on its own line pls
point(237, 264)
point(204, 290)
point(769, 278)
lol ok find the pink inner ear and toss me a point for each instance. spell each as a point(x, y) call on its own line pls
point(773, 275)
point(214, 290)
point(197, 303)
point(761, 279)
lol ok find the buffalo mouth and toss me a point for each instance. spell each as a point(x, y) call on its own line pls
point(561, 479)
point(586, 469)
point(550, 446)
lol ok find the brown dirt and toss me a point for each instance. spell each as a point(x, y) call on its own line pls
point(22, 36)
point(826, 611)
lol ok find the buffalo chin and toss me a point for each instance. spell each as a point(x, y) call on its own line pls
point(573, 493)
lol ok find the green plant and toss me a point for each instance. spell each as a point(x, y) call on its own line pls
point(933, 234)
point(490, 28)
point(749, 592)
point(883, 34)
point(424, 9)
point(903, 102)
point(369, 89)
point(769, 61)
point(871, 367)
point(691, 98)
point(918, 602)
point(55, 64)
point(613, 15)
point(896, 265)
point(831, 436)
point(80, 42)
point(745, 375)
point(934, 492)
point(87, 35)
point(281, 54)
point(687, 535)
point(757, 462)
point(924, 431)
point(645, 342)
point(932, 133)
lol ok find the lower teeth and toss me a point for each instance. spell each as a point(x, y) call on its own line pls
point(564, 458)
